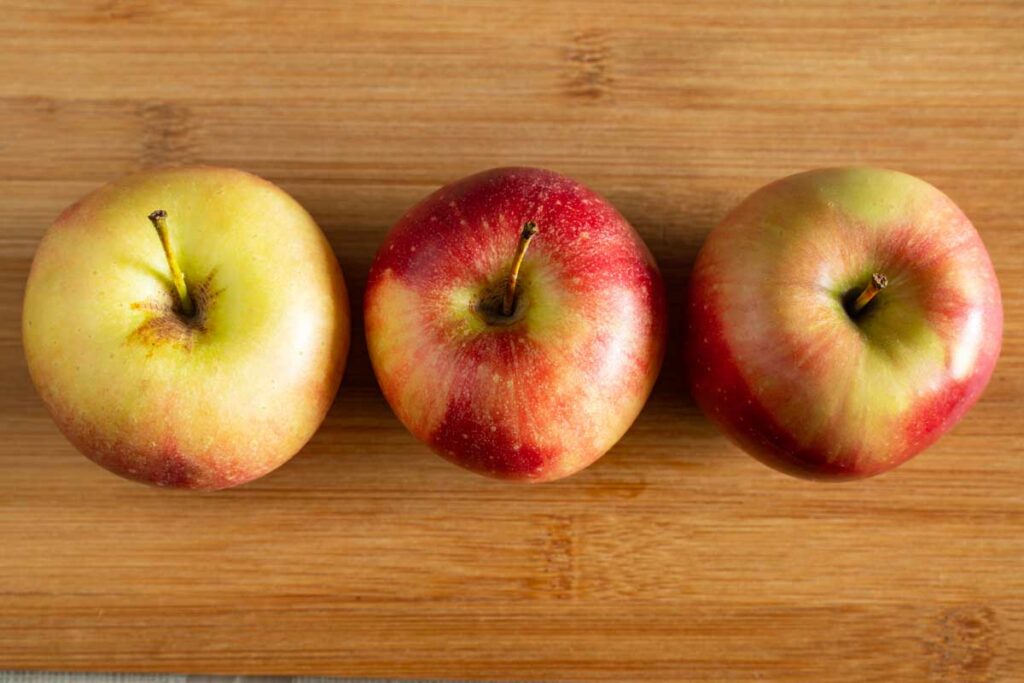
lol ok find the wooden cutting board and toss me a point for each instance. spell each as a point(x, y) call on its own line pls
point(676, 556)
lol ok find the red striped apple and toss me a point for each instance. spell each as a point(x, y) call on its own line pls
point(516, 323)
point(200, 355)
point(841, 320)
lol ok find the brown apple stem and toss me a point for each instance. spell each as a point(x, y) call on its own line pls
point(877, 284)
point(530, 230)
point(159, 220)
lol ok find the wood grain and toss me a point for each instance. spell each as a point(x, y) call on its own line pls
point(675, 557)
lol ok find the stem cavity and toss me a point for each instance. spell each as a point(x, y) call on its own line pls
point(877, 284)
point(530, 230)
point(159, 220)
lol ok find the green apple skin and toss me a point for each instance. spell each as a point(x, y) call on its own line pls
point(203, 402)
point(774, 356)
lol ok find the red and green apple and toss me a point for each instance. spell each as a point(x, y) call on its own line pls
point(841, 320)
point(202, 354)
point(516, 323)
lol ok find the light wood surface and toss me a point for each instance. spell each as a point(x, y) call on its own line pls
point(676, 556)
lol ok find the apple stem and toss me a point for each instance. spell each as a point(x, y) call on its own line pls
point(530, 230)
point(877, 284)
point(159, 220)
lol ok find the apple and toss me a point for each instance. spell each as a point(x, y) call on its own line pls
point(840, 320)
point(202, 354)
point(516, 323)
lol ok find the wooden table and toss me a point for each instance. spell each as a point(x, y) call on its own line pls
point(676, 556)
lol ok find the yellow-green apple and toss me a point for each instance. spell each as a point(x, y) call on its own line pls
point(200, 355)
point(841, 320)
point(518, 364)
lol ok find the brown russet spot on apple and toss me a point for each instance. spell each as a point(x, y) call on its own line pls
point(168, 324)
